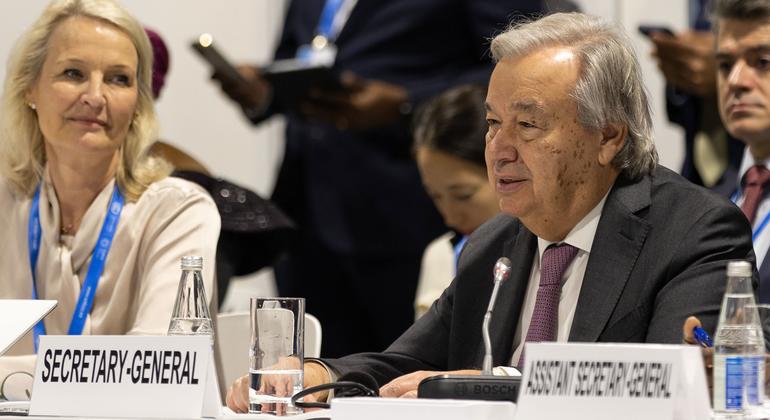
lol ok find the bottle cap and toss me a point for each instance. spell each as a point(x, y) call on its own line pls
point(739, 269)
point(190, 262)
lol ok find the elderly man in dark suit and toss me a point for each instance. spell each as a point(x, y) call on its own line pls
point(605, 245)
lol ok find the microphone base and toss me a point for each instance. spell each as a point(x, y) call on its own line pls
point(470, 387)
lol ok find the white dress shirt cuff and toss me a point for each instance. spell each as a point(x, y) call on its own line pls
point(505, 371)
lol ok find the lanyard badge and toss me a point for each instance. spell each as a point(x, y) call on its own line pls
point(95, 269)
point(321, 51)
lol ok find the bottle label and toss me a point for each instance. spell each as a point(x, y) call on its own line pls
point(734, 380)
point(752, 368)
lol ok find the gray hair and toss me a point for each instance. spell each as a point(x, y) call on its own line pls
point(609, 88)
point(22, 149)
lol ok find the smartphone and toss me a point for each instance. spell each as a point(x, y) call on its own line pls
point(204, 46)
point(648, 30)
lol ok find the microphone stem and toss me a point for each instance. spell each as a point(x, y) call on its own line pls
point(487, 365)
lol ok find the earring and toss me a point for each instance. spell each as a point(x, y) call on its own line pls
point(32, 106)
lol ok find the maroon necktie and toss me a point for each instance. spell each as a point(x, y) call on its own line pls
point(545, 317)
point(753, 183)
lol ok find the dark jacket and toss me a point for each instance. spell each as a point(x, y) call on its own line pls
point(659, 256)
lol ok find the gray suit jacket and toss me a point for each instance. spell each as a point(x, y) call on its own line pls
point(659, 255)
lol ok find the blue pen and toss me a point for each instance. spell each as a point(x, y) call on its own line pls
point(702, 337)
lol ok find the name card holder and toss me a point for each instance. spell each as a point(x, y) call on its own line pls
point(613, 381)
point(125, 376)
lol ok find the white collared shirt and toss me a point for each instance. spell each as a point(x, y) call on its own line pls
point(581, 237)
point(762, 240)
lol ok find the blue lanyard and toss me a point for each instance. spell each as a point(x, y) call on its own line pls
point(458, 248)
point(95, 269)
point(761, 226)
point(326, 24)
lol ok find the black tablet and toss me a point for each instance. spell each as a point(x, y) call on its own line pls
point(293, 79)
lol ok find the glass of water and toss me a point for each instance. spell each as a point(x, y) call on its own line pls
point(276, 354)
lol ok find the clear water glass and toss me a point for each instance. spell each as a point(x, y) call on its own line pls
point(276, 354)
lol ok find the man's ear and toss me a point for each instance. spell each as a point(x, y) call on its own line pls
point(613, 139)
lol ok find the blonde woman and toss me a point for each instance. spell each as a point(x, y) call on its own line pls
point(88, 218)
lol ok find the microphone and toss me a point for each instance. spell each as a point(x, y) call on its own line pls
point(351, 384)
point(500, 274)
point(477, 387)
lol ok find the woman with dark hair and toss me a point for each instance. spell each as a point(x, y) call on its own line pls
point(449, 147)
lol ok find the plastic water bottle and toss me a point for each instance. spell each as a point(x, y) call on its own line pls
point(739, 363)
point(191, 312)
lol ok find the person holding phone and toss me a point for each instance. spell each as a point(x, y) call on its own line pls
point(348, 178)
point(686, 60)
point(254, 231)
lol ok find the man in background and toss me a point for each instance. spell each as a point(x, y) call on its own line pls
point(743, 86)
point(686, 60)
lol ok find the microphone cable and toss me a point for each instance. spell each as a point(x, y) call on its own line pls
point(353, 384)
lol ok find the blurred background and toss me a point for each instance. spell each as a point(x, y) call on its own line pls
point(197, 117)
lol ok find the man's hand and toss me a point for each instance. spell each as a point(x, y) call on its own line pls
point(253, 94)
point(687, 61)
point(708, 354)
point(687, 330)
point(406, 386)
point(238, 394)
point(363, 104)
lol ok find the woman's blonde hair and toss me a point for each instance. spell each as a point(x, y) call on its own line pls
point(22, 149)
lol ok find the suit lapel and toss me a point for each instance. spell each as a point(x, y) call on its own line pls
point(615, 249)
point(521, 251)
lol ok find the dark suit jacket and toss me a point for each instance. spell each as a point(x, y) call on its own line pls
point(360, 192)
point(659, 255)
point(726, 187)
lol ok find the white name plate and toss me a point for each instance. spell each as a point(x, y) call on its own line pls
point(125, 376)
point(613, 381)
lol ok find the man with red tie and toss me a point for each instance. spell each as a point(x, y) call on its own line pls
point(743, 84)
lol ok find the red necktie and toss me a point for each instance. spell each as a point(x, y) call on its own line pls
point(545, 317)
point(753, 183)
